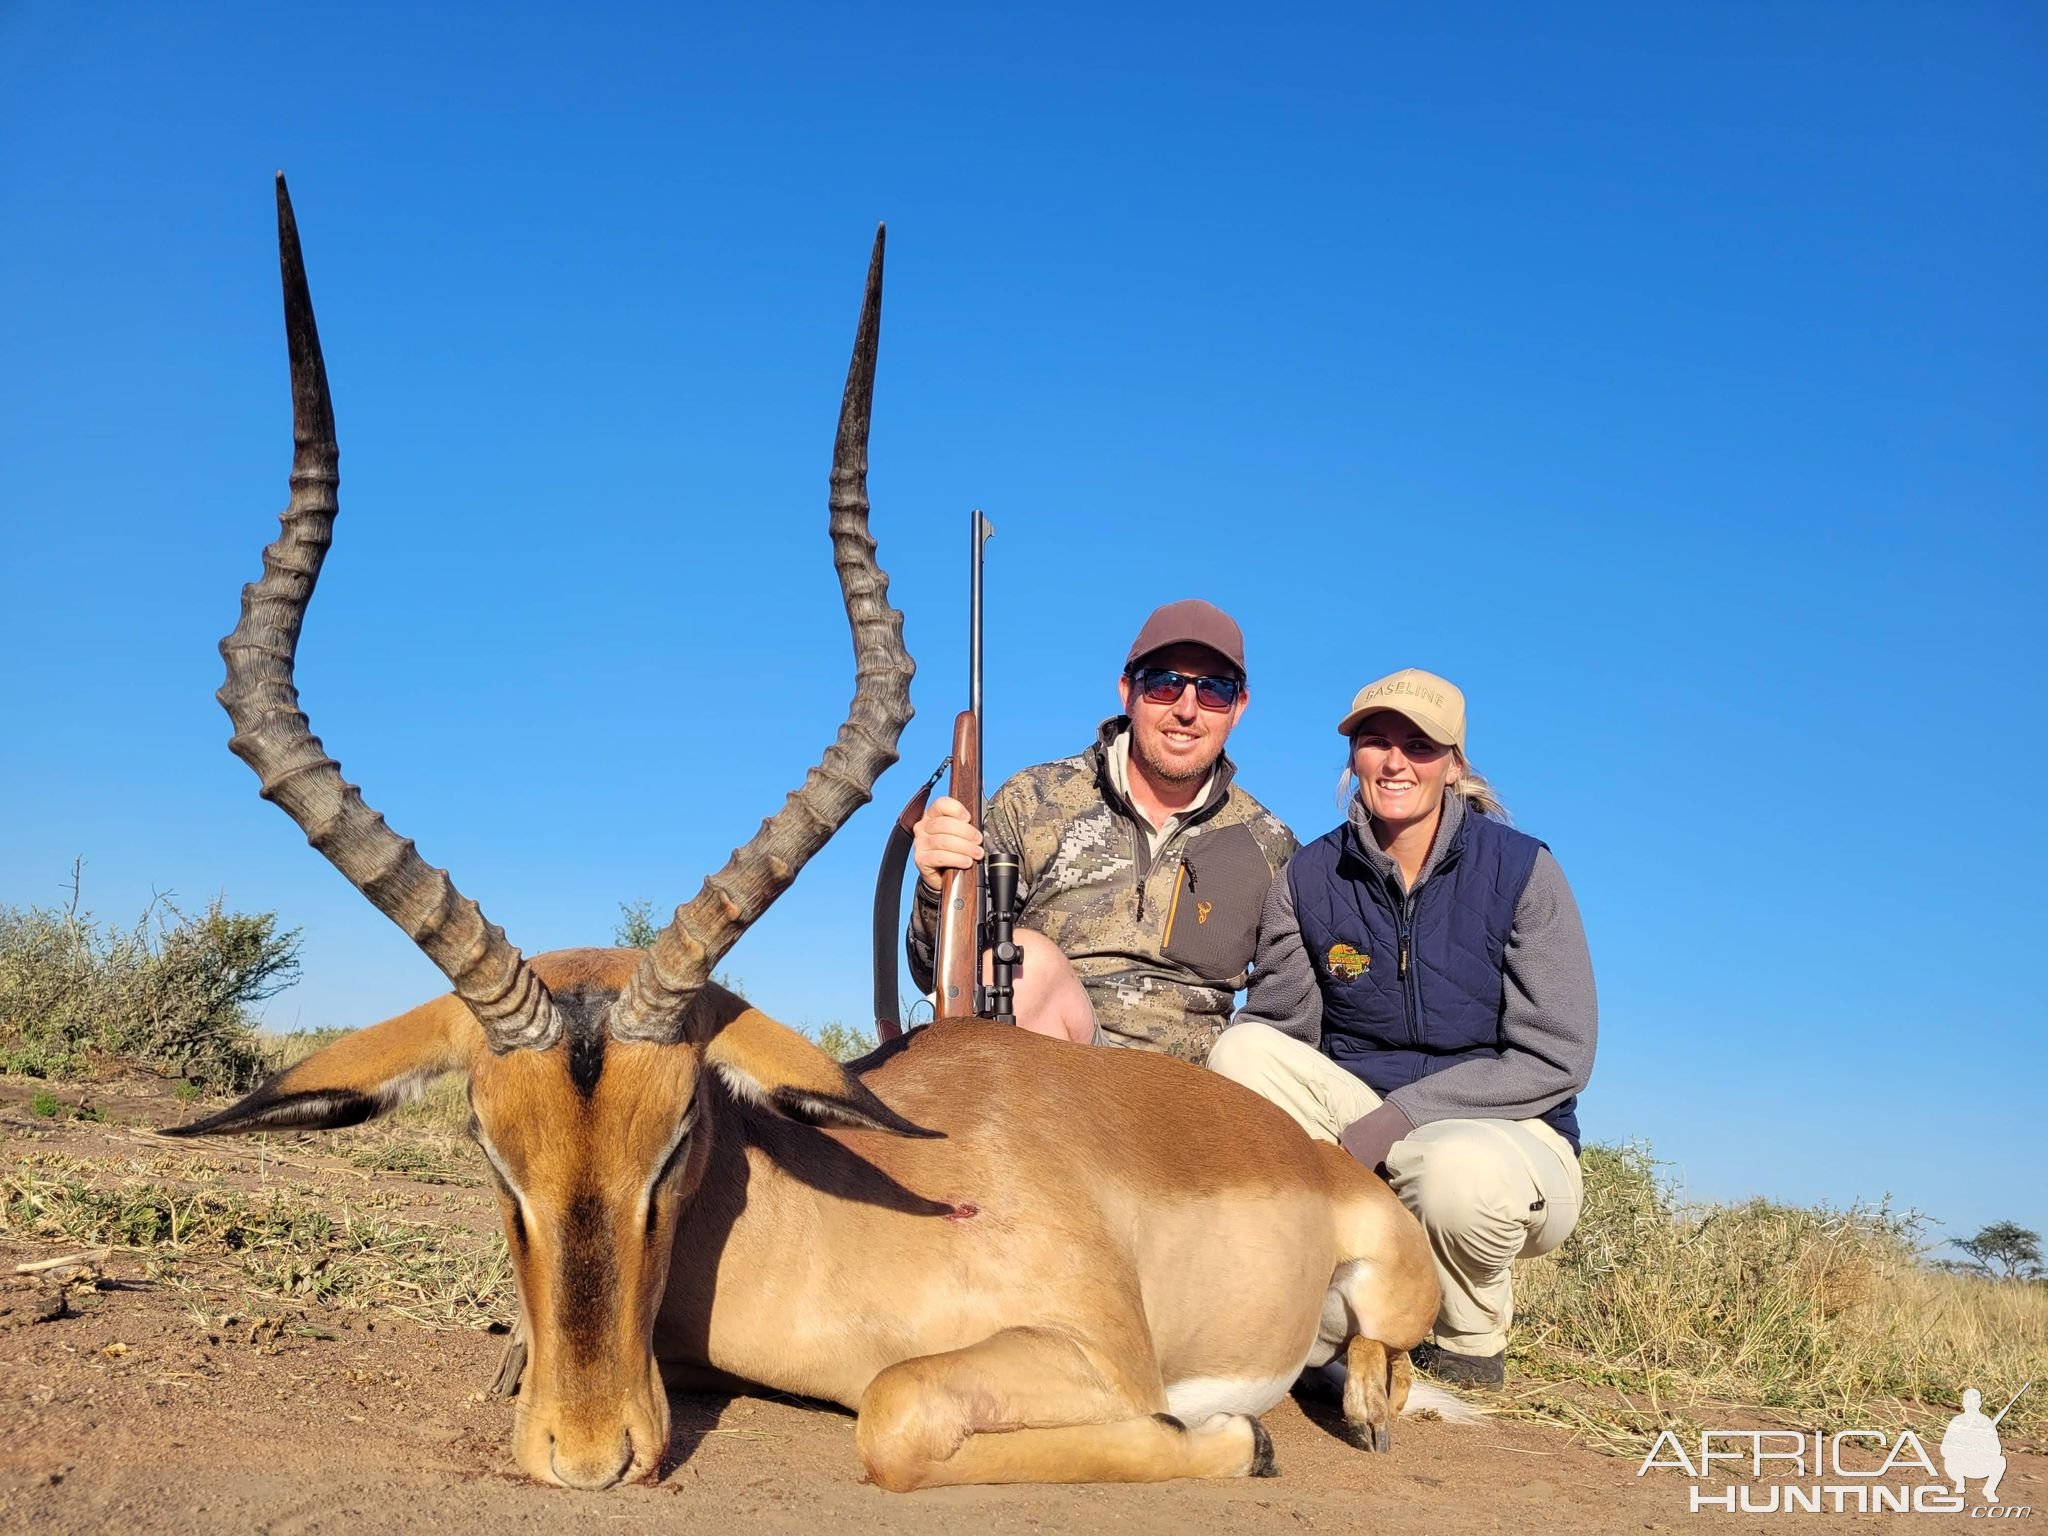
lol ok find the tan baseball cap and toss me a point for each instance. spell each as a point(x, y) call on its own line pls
point(1189, 622)
point(1431, 702)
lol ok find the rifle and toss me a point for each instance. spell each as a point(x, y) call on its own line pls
point(2008, 1407)
point(977, 907)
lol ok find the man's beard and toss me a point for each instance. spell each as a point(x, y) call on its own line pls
point(1172, 773)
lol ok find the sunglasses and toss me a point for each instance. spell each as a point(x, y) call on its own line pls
point(1159, 685)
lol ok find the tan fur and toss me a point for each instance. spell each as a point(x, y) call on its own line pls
point(418, 1045)
point(1166, 1223)
point(1011, 1300)
point(756, 1049)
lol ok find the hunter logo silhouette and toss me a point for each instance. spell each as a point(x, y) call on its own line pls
point(1970, 1448)
point(1202, 912)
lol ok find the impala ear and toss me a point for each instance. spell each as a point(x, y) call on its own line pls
point(772, 1066)
point(359, 1076)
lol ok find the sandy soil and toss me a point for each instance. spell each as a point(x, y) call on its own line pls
point(140, 1410)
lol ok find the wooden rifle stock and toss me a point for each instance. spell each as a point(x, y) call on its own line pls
point(956, 958)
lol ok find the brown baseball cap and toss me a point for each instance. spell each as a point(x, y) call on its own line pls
point(1432, 703)
point(1190, 622)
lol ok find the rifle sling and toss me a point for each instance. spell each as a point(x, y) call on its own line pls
point(888, 916)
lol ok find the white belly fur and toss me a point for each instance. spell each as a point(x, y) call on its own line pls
point(1194, 1399)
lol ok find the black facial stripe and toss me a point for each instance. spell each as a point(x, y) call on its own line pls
point(586, 1060)
point(589, 1288)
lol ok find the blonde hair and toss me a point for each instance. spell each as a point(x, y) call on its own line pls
point(1477, 793)
point(1470, 786)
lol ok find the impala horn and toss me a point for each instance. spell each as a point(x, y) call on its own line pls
point(655, 1004)
point(274, 738)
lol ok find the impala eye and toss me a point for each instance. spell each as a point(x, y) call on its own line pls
point(668, 1168)
point(476, 1134)
point(674, 1161)
point(511, 1198)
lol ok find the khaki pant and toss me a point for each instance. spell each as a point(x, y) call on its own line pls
point(1486, 1191)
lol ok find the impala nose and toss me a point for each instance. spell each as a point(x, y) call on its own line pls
point(588, 1471)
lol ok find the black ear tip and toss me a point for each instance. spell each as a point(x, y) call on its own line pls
point(883, 1118)
point(327, 1109)
point(205, 1124)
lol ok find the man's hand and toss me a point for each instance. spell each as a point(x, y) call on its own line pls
point(944, 838)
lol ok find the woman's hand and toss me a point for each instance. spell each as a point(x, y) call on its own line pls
point(944, 838)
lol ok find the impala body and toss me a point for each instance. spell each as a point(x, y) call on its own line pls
point(1017, 1259)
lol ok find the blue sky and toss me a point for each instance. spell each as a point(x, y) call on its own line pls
point(1673, 380)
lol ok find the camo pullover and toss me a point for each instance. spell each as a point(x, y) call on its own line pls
point(1162, 940)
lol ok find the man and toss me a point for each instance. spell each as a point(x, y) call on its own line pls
point(1144, 867)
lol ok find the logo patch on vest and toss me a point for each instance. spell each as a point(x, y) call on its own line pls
point(1346, 963)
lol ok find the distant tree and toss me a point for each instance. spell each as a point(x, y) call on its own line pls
point(2005, 1249)
point(843, 1043)
point(637, 928)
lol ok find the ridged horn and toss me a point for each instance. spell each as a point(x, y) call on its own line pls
point(655, 1004)
point(274, 738)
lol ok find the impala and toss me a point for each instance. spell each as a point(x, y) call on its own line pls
point(1019, 1260)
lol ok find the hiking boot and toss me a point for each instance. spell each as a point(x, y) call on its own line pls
point(1458, 1370)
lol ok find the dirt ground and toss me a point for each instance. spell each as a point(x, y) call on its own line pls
point(150, 1406)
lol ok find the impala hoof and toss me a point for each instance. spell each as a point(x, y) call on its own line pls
point(1262, 1453)
point(1368, 1436)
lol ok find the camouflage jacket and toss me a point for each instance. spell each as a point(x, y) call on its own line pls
point(1162, 942)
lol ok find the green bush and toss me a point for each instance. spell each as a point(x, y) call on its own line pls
point(842, 1042)
point(636, 928)
point(171, 993)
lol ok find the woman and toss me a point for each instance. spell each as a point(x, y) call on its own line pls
point(1422, 995)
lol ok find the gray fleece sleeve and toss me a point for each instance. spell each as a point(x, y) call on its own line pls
point(1549, 1019)
point(918, 941)
point(1283, 992)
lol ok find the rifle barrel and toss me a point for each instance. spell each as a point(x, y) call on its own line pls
point(980, 533)
point(2008, 1407)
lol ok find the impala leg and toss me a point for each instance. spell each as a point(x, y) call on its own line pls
point(1375, 1388)
point(1031, 1405)
point(1382, 1300)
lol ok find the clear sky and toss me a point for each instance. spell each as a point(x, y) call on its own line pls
point(1673, 378)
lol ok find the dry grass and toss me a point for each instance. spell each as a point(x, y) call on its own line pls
point(295, 1242)
point(1802, 1315)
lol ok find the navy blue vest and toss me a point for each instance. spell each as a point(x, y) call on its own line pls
point(1408, 993)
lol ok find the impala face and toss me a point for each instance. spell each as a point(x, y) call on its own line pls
point(596, 1146)
point(592, 1148)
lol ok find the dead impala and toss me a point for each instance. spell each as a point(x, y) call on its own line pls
point(1019, 1260)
